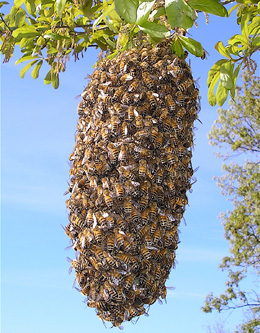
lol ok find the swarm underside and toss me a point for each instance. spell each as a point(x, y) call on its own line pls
point(130, 171)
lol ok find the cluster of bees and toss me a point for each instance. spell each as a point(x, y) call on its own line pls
point(130, 171)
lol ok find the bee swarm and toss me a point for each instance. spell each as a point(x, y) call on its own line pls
point(130, 170)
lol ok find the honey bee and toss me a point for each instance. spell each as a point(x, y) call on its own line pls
point(126, 77)
point(120, 109)
point(145, 187)
point(113, 152)
point(170, 103)
point(151, 99)
point(153, 209)
point(147, 80)
point(110, 239)
point(179, 97)
point(107, 197)
point(133, 86)
point(157, 235)
point(97, 265)
point(154, 133)
point(144, 54)
point(185, 85)
point(142, 168)
point(158, 140)
point(121, 223)
point(118, 93)
point(144, 109)
point(134, 215)
point(126, 173)
point(128, 281)
point(143, 202)
point(131, 113)
point(93, 182)
point(139, 122)
point(145, 216)
point(145, 252)
point(148, 122)
point(105, 134)
point(114, 123)
point(127, 205)
point(180, 114)
point(119, 191)
point(97, 234)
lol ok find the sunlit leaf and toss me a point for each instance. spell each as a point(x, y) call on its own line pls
point(47, 79)
point(155, 30)
point(226, 75)
point(192, 46)
point(55, 81)
point(25, 58)
point(209, 6)
point(60, 5)
point(222, 94)
point(211, 94)
point(177, 48)
point(238, 39)
point(127, 9)
point(25, 69)
point(214, 69)
point(28, 31)
point(179, 14)
point(143, 11)
point(222, 50)
point(35, 71)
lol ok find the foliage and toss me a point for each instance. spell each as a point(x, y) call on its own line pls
point(52, 30)
point(238, 130)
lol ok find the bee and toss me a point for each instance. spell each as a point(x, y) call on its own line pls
point(185, 85)
point(131, 113)
point(109, 293)
point(145, 187)
point(97, 265)
point(134, 215)
point(147, 80)
point(126, 77)
point(148, 122)
point(118, 93)
point(122, 224)
point(145, 216)
point(119, 191)
point(142, 168)
point(110, 239)
point(180, 114)
point(126, 173)
point(128, 281)
point(145, 252)
point(170, 103)
point(114, 123)
point(179, 97)
point(119, 238)
point(127, 205)
point(127, 98)
point(144, 54)
point(133, 86)
point(111, 261)
point(105, 134)
point(120, 109)
point(158, 140)
point(144, 65)
point(97, 234)
point(143, 202)
point(114, 152)
point(139, 122)
point(151, 100)
point(144, 109)
point(153, 209)
point(157, 235)
point(154, 133)
point(122, 67)
point(107, 197)
point(116, 278)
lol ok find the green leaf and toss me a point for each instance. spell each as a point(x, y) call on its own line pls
point(47, 79)
point(235, 75)
point(2, 3)
point(226, 75)
point(55, 81)
point(20, 18)
point(60, 5)
point(177, 48)
point(222, 50)
point(30, 6)
point(179, 14)
point(35, 71)
point(211, 94)
point(209, 6)
point(244, 24)
point(238, 39)
point(25, 58)
point(127, 9)
point(143, 11)
point(104, 15)
point(222, 94)
point(255, 24)
point(155, 30)
point(28, 31)
point(55, 36)
point(25, 69)
point(256, 41)
point(192, 46)
point(214, 69)
point(18, 3)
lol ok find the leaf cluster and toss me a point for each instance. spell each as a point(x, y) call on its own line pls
point(53, 30)
point(238, 130)
point(238, 52)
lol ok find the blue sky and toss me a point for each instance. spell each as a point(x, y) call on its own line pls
point(38, 127)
